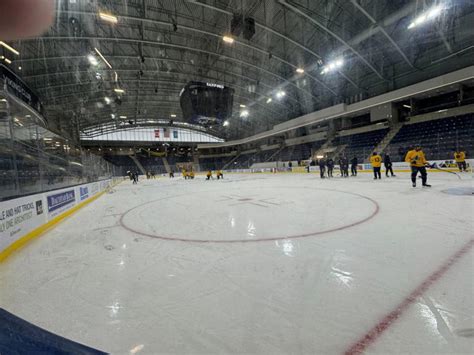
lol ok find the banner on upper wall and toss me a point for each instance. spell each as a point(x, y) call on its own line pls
point(19, 89)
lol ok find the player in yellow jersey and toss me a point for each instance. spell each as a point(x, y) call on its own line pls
point(191, 174)
point(416, 159)
point(376, 161)
point(209, 175)
point(219, 174)
point(460, 158)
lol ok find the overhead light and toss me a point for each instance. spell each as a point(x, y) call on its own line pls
point(103, 58)
point(27, 116)
point(112, 115)
point(228, 39)
point(107, 100)
point(226, 123)
point(8, 61)
point(93, 60)
point(123, 117)
point(119, 91)
point(280, 94)
point(244, 113)
point(116, 76)
point(300, 70)
point(47, 139)
point(320, 156)
point(243, 106)
point(426, 16)
point(407, 106)
point(332, 66)
point(441, 111)
point(3, 100)
point(173, 115)
point(19, 68)
point(108, 17)
point(269, 100)
point(11, 49)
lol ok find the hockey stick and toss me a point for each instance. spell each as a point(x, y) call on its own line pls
point(434, 166)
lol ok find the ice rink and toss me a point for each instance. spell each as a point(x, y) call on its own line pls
point(262, 263)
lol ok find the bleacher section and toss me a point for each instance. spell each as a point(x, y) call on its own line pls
point(360, 145)
point(439, 138)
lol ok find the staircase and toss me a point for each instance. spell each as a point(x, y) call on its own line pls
point(274, 154)
point(387, 139)
point(226, 165)
point(166, 164)
point(138, 164)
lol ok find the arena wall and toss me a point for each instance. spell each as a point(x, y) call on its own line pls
point(25, 218)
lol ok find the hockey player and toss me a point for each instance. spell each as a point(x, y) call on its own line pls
point(387, 162)
point(209, 175)
point(376, 161)
point(322, 167)
point(330, 165)
point(416, 159)
point(354, 163)
point(344, 166)
point(219, 174)
point(171, 174)
point(460, 158)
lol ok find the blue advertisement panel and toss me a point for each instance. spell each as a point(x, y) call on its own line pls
point(60, 200)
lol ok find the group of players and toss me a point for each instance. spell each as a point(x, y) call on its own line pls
point(415, 157)
point(189, 174)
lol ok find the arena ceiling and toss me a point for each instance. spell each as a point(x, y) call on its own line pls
point(157, 46)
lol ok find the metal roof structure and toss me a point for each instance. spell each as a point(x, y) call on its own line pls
point(349, 50)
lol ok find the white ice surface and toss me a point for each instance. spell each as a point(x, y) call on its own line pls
point(95, 282)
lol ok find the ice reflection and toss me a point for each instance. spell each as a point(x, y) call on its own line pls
point(251, 230)
point(287, 247)
point(114, 308)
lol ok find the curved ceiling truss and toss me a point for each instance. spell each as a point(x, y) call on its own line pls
point(157, 46)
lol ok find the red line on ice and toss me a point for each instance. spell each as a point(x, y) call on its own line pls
point(373, 334)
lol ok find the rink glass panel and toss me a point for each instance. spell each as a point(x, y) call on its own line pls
point(34, 159)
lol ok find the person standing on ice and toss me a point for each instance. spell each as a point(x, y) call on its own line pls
point(376, 161)
point(460, 158)
point(387, 162)
point(416, 159)
point(330, 165)
point(344, 166)
point(322, 167)
point(354, 163)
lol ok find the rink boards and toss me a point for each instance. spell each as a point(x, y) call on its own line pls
point(24, 218)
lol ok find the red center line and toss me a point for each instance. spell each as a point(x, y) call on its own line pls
point(372, 335)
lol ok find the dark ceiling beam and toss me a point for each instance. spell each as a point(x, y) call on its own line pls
point(181, 47)
point(385, 33)
point(207, 33)
point(337, 37)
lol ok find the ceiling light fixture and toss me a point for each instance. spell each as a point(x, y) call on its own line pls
point(93, 60)
point(407, 106)
point(173, 115)
point(300, 70)
point(269, 100)
point(103, 58)
point(108, 17)
point(11, 49)
point(226, 123)
point(243, 106)
point(107, 100)
point(427, 15)
point(119, 91)
point(280, 94)
point(244, 113)
point(332, 66)
point(8, 61)
point(228, 39)
point(123, 117)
